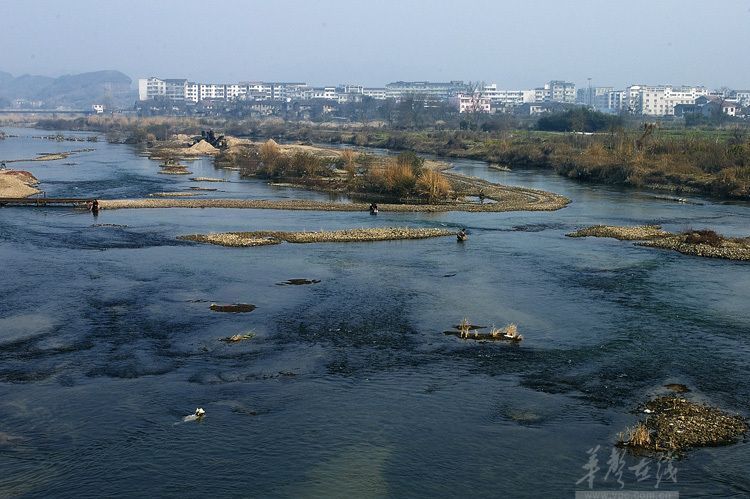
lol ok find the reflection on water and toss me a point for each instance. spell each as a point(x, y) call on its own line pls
point(348, 388)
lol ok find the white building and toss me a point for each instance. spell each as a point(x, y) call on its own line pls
point(435, 91)
point(150, 88)
point(375, 93)
point(471, 103)
point(560, 91)
point(743, 97)
point(192, 91)
point(287, 91)
point(507, 98)
point(214, 91)
point(660, 100)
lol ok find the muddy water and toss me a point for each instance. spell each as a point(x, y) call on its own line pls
point(349, 388)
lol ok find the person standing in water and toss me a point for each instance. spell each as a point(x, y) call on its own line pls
point(462, 236)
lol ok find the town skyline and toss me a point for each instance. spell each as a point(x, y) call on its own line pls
point(334, 42)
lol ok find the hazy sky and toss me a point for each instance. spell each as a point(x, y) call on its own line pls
point(518, 44)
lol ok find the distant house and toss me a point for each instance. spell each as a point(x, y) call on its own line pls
point(471, 103)
point(710, 106)
point(98, 108)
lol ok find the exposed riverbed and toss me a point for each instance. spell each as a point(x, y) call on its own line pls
point(348, 386)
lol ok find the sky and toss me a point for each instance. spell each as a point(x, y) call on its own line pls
point(516, 44)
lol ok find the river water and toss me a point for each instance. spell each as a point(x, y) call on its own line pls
point(350, 388)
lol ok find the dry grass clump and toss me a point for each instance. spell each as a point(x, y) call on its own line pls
point(433, 185)
point(703, 236)
point(636, 233)
point(236, 338)
point(468, 331)
point(261, 238)
point(269, 151)
point(235, 308)
point(637, 436)
point(677, 424)
point(173, 168)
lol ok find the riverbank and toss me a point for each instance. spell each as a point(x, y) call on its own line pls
point(263, 238)
point(704, 243)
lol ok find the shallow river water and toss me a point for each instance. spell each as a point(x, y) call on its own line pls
point(349, 388)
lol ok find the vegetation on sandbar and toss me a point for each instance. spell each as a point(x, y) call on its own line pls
point(675, 424)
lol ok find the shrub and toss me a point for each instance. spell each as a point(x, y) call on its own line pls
point(433, 185)
point(703, 236)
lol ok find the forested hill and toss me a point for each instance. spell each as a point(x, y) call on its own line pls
point(79, 91)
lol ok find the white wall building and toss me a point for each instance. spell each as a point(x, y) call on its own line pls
point(471, 103)
point(743, 97)
point(560, 91)
point(660, 100)
point(192, 91)
point(150, 88)
point(375, 93)
point(507, 98)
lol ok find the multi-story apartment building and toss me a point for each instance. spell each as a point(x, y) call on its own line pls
point(287, 91)
point(660, 100)
point(596, 97)
point(167, 88)
point(560, 91)
point(617, 101)
point(435, 91)
point(375, 93)
point(192, 92)
point(507, 98)
point(151, 88)
point(235, 91)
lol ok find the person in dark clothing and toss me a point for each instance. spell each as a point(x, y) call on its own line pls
point(373, 209)
point(462, 236)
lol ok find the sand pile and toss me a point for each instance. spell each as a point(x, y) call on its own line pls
point(200, 148)
point(235, 142)
point(17, 184)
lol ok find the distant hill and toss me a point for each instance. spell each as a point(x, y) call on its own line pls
point(80, 91)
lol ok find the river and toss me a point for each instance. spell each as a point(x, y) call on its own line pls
point(350, 388)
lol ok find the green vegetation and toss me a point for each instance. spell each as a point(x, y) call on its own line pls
point(579, 119)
